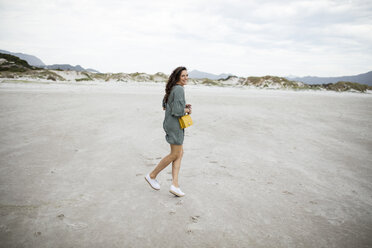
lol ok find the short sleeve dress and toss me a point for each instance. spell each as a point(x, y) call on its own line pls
point(174, 109)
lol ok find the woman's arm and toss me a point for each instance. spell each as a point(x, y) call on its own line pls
point(178, 105)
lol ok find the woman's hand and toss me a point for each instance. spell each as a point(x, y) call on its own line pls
point(188, 110)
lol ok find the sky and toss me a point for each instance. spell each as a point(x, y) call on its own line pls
point(244, 38)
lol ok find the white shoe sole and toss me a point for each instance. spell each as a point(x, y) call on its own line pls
point(150, 184)
point(174, 193)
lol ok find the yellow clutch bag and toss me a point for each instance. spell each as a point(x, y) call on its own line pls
point(185, 121)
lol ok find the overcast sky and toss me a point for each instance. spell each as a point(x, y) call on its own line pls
point(245, 38)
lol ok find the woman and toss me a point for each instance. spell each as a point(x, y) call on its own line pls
point(175, 106)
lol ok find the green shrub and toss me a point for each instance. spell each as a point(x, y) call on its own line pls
point(207, 81)
point(345, 86)
point(254, 80)
point(51, 78)
point(14, 68)
point(82, 79)
point(87, 75)
point(15, 59)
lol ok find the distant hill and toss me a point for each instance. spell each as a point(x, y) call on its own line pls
point(200, 74)
point(64, 67)
point(68, 67)
point(92, 70)
point(13, 63)
point(35, 61)
point(31, 59)
point(365, 78)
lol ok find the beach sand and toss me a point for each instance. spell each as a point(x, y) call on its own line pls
point(261, 168)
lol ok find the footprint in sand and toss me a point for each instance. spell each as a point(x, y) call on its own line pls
point(37, 234)
point(195, 218)
point(71, 224)
point(77, 225)
point(147, 158)
point(61, 216)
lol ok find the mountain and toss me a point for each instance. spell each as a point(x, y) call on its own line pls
point(365, 78)
point(64, 67)
point(68, 67)
point(200, 74)
point(31, 59)
point(92, 70)
point(13, 63)
point(35, 61)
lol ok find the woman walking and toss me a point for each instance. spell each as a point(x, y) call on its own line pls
point(175, 106)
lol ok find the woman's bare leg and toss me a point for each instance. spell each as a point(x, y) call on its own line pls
point(176, 169)
point(176, 151)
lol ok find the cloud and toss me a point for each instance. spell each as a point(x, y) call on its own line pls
point(242, 37)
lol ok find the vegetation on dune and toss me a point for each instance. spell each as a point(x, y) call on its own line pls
point(14, 67)
point(82, 79)
point(100, 76)
point(14, 64)
point(87, 75)
point(134, 74)
point(228, 78)
point(345, 86)
point(280, 82)
point(12, 61)
point(253, 80)
point(34, 74)
point(207, 81)
point(160, 74)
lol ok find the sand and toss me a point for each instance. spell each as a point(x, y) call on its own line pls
point(261, 168)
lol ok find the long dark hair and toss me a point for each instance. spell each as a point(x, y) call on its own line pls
point(172, 80)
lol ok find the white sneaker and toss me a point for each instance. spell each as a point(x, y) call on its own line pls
point(176, 191)
point(153, 182)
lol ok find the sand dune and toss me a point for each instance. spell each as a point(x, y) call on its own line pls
point(262, 168)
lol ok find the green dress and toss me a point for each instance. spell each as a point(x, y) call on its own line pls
point(174, 109)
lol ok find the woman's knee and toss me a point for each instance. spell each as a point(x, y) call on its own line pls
point(176, 155)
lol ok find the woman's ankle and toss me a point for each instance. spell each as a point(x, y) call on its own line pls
point(175, 185)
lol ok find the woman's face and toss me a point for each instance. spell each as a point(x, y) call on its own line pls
point(183, 78)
